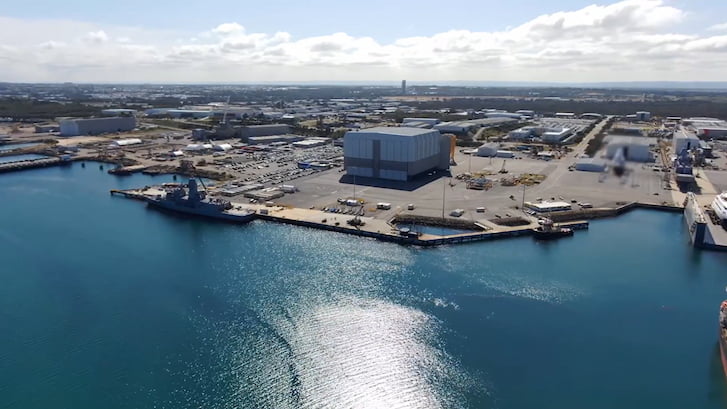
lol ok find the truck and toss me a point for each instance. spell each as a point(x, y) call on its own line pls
point(383, 206)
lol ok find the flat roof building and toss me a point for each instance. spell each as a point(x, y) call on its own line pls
point(591, 165)
point(126, 142)
point(395, 153)
point(264, 130)
point(636, 149)
point(287, 138)
point(96, 126)
point(118, 112)
point(546, 206)
point(684, 140)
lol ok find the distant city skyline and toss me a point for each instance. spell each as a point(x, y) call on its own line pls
point(325, 41)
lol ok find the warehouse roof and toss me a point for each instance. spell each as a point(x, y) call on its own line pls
point(630, 140)
point(393, 130)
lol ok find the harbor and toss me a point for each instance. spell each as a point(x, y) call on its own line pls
point(705, 234)
point(173, 303)
point(384, 230)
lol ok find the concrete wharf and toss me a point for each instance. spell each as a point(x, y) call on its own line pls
point(373, 228)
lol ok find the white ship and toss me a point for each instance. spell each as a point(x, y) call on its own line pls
point(719, 205)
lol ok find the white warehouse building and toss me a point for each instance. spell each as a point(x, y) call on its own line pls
point(488, 149)
point(96, 126)
point(684, 140)
point(395, 153)
point(635, 148)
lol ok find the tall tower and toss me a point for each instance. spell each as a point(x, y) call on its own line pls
point(403, 87)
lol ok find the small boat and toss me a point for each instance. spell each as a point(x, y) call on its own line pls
point(548, 231)
point(723, 335)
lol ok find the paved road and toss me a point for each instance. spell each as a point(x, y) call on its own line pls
point(561, 166)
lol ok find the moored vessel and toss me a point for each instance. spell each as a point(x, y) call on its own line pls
point(188, 199)
point(548, 231)
point(723, 335)
point(683, 170)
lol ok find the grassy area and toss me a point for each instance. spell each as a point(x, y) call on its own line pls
point(21, 109)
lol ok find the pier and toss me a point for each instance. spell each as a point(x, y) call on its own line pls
point(370, 227)
point(31, 164)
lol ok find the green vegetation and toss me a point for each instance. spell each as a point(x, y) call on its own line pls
point(597, 142)
point(715, 106)
point(26, 110)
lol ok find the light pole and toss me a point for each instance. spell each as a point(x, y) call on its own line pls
point(522, 204)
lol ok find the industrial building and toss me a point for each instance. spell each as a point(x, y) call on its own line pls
point(488, 149)
point(431, 121)
point(503, 114)
point(126, 142)
point(526, 112)
point(312, 142)
point(546, 134)
point(427, 123)
point(118, 112)
point(643, 115)
point(395, 153)
point(591, 165)
point(547, 207)
point(270, 139)
point(46, 128)
point(684, 140)
point(462, 127)
point(96, 126)
point(557, 135)
point(636, 149)
point(264, 130)
point(708, 128)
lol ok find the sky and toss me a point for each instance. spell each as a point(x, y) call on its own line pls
point(227, 41)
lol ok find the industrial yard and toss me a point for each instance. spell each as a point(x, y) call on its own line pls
point(543, 168)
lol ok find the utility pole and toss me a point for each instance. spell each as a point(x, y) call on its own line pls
point(522, 204)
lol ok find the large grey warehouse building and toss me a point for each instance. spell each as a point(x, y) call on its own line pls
point(96, 126)
point(394, 153)
point(264, 130)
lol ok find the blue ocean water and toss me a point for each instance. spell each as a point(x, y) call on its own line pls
point(106, 303)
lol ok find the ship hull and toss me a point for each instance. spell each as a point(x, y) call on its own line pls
point(551, 235)
point(722, 350)
point(197, 212)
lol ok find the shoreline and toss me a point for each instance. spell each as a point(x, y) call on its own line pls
point(385, 230)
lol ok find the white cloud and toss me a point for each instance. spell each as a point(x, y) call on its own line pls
point(627, 40)
point(228, 29)
point(96, 37)
point(718, 27)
